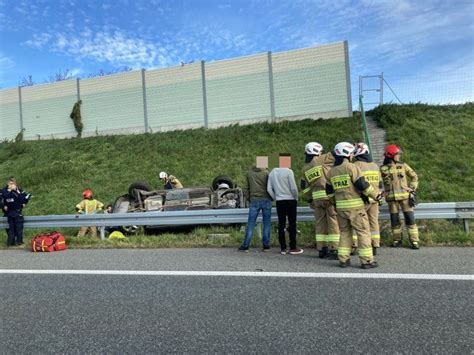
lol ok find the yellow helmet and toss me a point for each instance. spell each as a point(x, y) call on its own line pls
point(116, 235)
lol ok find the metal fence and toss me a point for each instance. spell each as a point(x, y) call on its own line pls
point(445, 210)
point(306, 83)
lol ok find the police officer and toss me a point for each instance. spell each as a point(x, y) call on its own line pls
point(400, 181)
point(344, 186)
point(13, 200)
point(314, 172)
point(371, 172)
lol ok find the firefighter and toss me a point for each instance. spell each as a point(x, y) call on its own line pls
point(400, 183)
point(344, 186)
point(88, 206)
point(313, 183)
point(169, 181)
point(371, 172)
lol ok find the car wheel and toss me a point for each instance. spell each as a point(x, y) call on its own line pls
point(222, 179)
point(138, 185)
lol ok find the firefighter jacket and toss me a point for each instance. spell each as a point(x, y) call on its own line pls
point(314, 174)
point(13, 202)
point(371, 173)
point(397, 179)
point(345, 184)
point(89, 206)
point(173, 183)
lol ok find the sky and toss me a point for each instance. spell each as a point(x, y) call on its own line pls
point(424, 48)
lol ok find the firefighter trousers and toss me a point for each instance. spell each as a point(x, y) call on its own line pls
point(326, 227)
point(409, 214)
point(354, 221)
point(84, 230)
point(372, 210)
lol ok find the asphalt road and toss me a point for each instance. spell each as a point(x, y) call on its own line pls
point(222, 314)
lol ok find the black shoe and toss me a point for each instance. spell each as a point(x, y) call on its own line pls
point(415, 245)
point(242, 248)
point(332, 254)
point(344, 264)
point(323, 252)
point(397, 243)
point(374, 251)
point(266, 248)
point(371, 265)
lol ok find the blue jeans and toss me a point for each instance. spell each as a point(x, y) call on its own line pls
point(265, 205)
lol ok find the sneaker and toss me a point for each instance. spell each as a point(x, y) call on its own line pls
point(323, 252)
point(283, 252)
point(415, 245)
point(296, 251)
point(397, 243)
point(20, 244)
point(266, 248)
point(242, 248)
point(371, 265)
point(344, 264)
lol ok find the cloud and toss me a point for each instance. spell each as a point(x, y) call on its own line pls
point(6, 64)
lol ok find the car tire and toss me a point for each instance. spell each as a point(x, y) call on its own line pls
point(222, 179)
point(138, 185)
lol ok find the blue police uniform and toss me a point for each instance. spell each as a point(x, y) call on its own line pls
point(13, 202)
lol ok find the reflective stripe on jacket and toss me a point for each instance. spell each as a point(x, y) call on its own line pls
point(397, 178)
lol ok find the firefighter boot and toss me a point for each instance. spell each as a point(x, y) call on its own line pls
point(323, 252)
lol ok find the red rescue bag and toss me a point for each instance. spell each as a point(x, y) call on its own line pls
point(48, 242)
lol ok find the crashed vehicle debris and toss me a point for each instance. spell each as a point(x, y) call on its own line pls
point(222, 194)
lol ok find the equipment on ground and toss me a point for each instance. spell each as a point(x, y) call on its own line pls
point(48, 242)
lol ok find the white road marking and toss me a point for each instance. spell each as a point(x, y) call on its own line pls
point(317, 275)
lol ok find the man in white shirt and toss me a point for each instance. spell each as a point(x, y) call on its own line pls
point(282, 187)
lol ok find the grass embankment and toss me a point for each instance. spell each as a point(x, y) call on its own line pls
point(57, 171)
point(437, 142)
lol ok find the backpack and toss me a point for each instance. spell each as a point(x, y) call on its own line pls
point(48, 242)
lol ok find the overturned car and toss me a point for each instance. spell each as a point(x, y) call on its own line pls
point(222, 194)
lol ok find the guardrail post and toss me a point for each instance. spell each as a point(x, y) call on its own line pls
point(466, 225)
point(259, 231)
point(102, 233)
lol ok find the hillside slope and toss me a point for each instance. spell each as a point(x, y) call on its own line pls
point(56, 171)
point(438, 143)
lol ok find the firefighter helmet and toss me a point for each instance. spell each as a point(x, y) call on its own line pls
point(163, 175)
point(87, 193)
point(313, 148)
point(344, 149)
point(361, 149)
point(391, 150)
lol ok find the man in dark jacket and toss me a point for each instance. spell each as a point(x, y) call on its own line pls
point(13, 200)
point(260, 200)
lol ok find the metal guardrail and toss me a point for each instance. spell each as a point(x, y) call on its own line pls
point(444, 210)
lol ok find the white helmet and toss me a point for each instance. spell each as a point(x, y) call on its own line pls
point(223, 185)
point(361, 148)
point(344, 149)
point(313, 148)
point(163, 175)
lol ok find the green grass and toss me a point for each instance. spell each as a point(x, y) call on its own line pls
point(56, 171)
point(437, 142)
point(432, 233)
